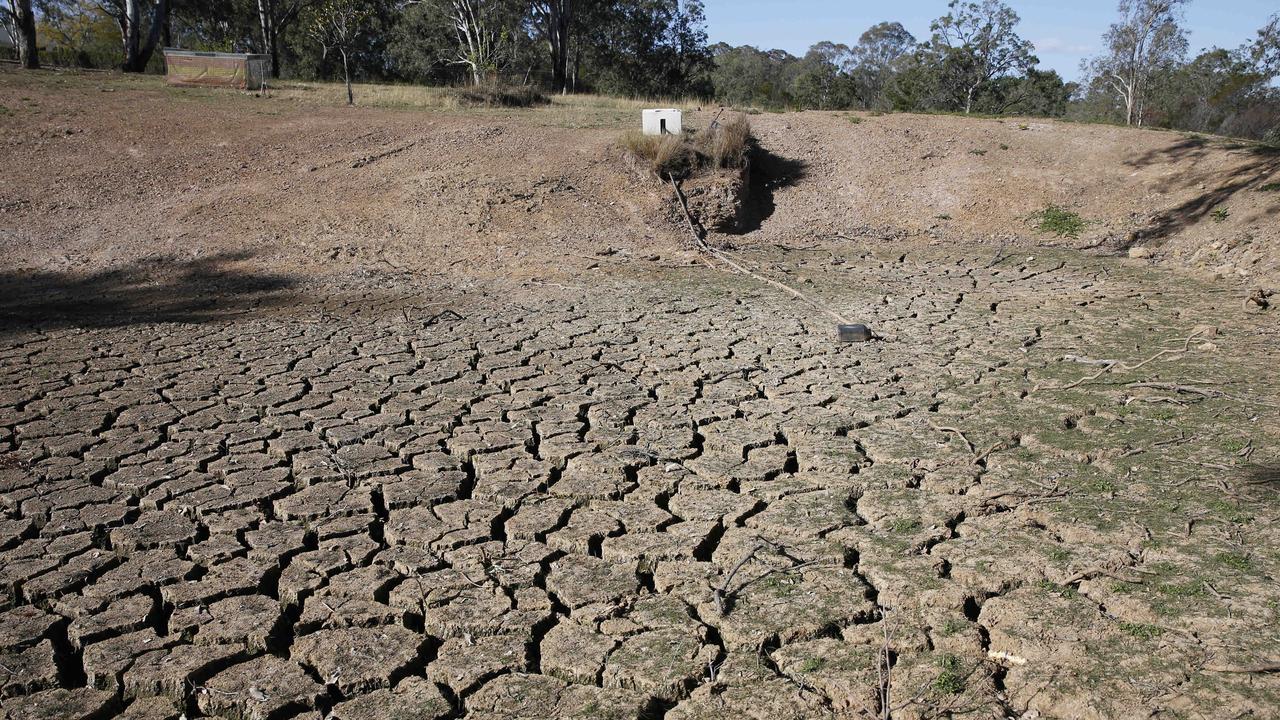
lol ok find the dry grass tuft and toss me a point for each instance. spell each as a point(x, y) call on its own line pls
point(508, 96)
point(719, 146)
point(664, 154)
point(725, 144)
point(418, 97)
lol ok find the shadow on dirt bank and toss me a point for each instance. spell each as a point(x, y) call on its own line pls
point(769, 173)
point(157, 291)
point(1261, 161)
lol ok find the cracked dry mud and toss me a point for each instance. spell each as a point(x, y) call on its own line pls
point(673, 495)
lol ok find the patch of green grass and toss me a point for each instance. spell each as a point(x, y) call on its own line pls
point(950, 680)
point(1024, 127)
point(1051, 588)
point(855, 119)
point(1059, 554)
point(904, 525)
point(977, 151)
point(5, 111)
point(1233, 445)
point(1229, 512)
point(953, 626)
point(812, 664)
point(1060, 221)
point(1235, 561)
point(1142, 631)
point(1188, 589)
point(1270, 187)
point(1003, 146)
point(1220, 214)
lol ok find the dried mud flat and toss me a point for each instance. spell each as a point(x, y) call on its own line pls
point(628, 486)
point(671, 496)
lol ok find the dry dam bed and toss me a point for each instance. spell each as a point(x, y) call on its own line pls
point(672, 495)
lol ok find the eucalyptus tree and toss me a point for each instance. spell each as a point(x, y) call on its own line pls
point(976, 43)
point(1147, 40)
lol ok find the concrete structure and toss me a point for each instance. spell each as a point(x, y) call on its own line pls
point(661, 121)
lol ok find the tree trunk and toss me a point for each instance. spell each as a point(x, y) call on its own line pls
point(559, 20)
point(137, 54)
point(129, 31)
point(269, 23)
point(28, 54)
point(346, 72)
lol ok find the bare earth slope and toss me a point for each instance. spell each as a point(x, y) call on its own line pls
point(328, 413)
point(153, 171)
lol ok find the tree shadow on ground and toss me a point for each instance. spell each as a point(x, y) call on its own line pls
point(163, 290)
point(769, 173)
point(1260, 162)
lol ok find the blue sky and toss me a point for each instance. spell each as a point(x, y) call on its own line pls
point(1063, 31)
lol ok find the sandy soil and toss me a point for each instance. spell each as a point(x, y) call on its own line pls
point(330, 413)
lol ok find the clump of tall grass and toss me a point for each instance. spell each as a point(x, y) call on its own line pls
point(721, 145)
point(664, 154)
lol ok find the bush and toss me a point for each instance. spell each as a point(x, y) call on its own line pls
point(719, 146)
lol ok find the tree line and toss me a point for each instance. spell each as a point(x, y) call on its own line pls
point(973, 61)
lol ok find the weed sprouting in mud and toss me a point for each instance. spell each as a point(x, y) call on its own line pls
point(1060, 221)
point(1236, 561)
point(950, 679)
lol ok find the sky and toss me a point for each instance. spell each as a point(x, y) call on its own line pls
point(1063, 31)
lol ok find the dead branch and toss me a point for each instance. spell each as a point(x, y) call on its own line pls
point(724, 257)
point(1171, 387)
point(721, 591)
point(1186, 346)
point(943, 428)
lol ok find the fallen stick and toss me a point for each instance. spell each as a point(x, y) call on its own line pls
point(1177, 388)
point(943, 428)
point(1186, 346)
point(724, 258)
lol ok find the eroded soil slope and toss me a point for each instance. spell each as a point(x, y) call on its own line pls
point(104, 171)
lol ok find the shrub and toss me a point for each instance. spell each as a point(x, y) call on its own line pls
point(1060, 222)
point(1270, 187)
point(1220, 214)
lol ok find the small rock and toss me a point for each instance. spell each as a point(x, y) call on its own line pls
point(1139, 253)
